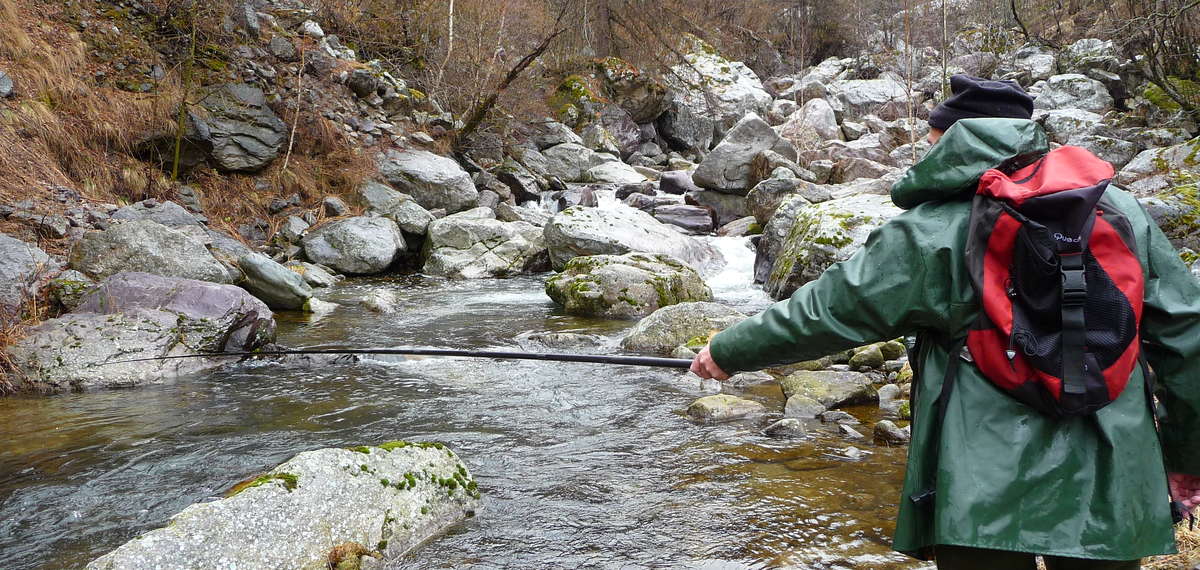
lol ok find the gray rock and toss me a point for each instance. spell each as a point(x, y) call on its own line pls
point(886, 433)
point(358, 245)
point(386, 500)
point(144, 245)
point(1115, 151)
point(521, 181)
point(592, 231)
point(740, 227)
point(1036, 62)
point(625, 286)
point(686, 129)
point(613, 173)
point(314, 275)
point(334, 206)
point(787, 427)
point(167, 213)
point(473, 244)
point(1074, 91)
point(723, 407)
point(780, 110)
point(850, 169)
point(727, 167)
point(396, 206)
point(277, 286)
point(46, 225)
point(886, 97)
point(380, 301)
point(640, 95)
point(854, 130)
point(811, 125)
point(293, 229)
point(725, 207)
point(832, 389)
point(764, 199)
point(533, 216)
point(1063, 124)
point(433, 181)
point(889, 397)
point(677, 182)
point(283, 49)
point(139, 315)
point(802, 406)
point(69, 287)
point(801, 241)
point(1161, 161)
point(674, 325)
point(554, 133)
point(6, 85)
point(621, 128)
point(22, 266)
point(569, 161)
point(838, 417)
point(1176, 213)
point(312, 29)
point(236, 128)
point(770, 164)
point(709, 85)
point(692, 219)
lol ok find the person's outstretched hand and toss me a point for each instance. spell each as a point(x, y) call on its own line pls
point(705, 367)
point(1184, 488)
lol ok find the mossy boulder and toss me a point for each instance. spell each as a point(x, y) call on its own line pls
point(680, 324)
point(625, 286)
point(321, 509)
point(575, 101)
point(867, 357)
point(831, 388)
point(802, 240)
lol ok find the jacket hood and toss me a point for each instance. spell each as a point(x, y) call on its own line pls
point(968, 149)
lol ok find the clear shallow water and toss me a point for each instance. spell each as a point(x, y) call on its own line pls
point(580, 465)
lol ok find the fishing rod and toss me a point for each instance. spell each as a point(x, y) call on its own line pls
point(502, 354)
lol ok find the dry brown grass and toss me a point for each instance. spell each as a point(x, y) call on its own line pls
point(1189, 552)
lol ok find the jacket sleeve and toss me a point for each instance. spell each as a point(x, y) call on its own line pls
point(900, 281)
point(1171, 339)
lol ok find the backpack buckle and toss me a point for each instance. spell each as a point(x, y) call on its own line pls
point(1074, 280)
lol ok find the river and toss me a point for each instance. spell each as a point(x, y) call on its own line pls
point(580, 465)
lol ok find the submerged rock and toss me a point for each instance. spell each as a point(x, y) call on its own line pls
point(723, 407)
point(672, 326)
point(593, 231)
point(147, 246)
point(139, 315)
point(625, 286)
point(830, 388)
point(365, 501)
point(787, 427)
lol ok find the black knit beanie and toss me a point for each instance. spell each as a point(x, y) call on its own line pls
point(975, 97)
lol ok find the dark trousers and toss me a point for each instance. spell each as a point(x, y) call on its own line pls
point(964, 558)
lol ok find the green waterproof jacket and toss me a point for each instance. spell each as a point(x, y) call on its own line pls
point(1005, 477)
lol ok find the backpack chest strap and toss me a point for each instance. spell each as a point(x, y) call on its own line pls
point(1074, 326)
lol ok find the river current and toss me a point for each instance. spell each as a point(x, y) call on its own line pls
point(580, 465)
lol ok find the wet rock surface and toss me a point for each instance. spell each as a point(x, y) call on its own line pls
point(625, 286)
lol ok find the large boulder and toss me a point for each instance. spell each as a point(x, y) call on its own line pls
point(569, 161)
point(1074, 91)
point(686, 129)
point(359, 245)
point(709, 85)
point(166, 213)
point(725, 208)
point(277, 286)
point(139, 315)
point(326, 508)
point(433, 181)
point(1063, 124)
point(723, 408)
point(886, 97)
point(21, 265)
point(399, 207)
point(804, 240)
point(1162, 164)
point(613, 173)
point(592, 231)
point(695, 220)
point(811, 125)
point(675, 325)
point(639, 94)
point(830, 388)
point(1032, 63)
point(145, 245)
point(727, 167)
point(766, 196)
point(232, 127)
point(473, 244)
point(1114, 151)
point(625, 286)
point(1177, 212)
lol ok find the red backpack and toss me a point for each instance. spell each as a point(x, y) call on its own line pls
point(1052, 261)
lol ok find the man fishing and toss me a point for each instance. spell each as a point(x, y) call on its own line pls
point(1032, 287)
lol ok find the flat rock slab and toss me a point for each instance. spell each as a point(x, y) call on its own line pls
point(830, 388)
point(377, 502)
point(625, 286)
point(581, 231)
